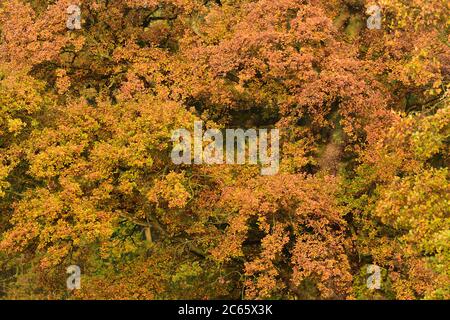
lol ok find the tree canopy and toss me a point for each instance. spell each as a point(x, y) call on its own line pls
point(86, 178)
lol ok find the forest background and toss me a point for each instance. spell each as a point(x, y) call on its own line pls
point(86, 117)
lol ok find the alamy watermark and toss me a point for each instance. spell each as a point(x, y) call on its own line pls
point(250, 146)
point(74, 280)
point(74, 20)
point(374, 280)
point(374, 21)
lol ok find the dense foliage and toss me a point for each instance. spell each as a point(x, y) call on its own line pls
point(86, 118)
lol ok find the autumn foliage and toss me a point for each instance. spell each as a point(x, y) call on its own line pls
point(86, 178)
